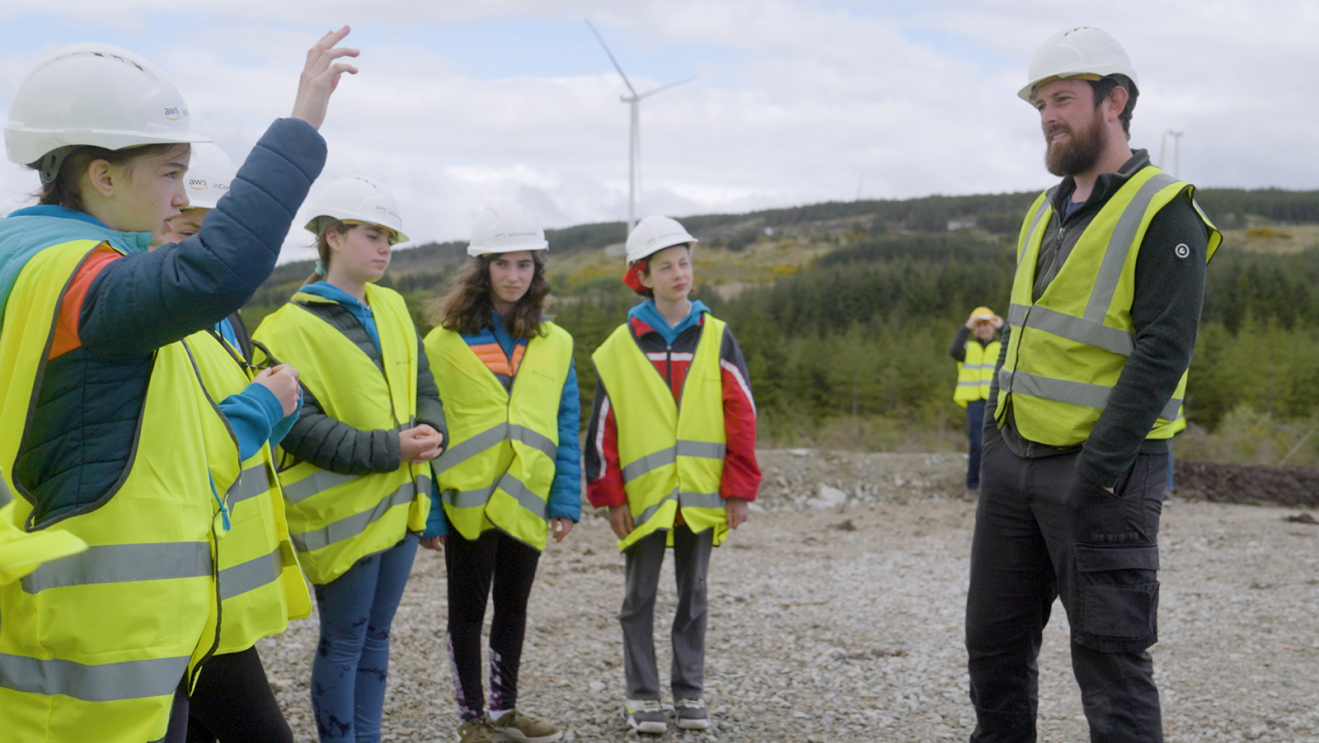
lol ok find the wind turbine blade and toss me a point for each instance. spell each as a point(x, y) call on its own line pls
point(666, 87)
point(617, 66)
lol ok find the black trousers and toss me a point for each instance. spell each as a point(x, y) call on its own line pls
point(1043, 532)
point(473, 566)
point(233, 703)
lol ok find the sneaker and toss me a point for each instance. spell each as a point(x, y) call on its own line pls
point(515, 726)
point(970, 496)
point(645, 716)
point(691, 714)
point(476, 731)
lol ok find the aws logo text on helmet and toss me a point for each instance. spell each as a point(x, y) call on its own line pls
point(382, 210)
point(201, 184)
point(511, 235)
point(175, 113)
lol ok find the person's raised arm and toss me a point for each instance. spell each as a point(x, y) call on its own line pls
point(143, 301)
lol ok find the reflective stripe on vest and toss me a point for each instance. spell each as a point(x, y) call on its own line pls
point(258, 596)
point(334, 520)
point(250, 484)
point(149, 604)
point(670, 455)
point(1067, 350)
point(352, 526)
point(107, 682)
point(498, 472)
point(122, 563)
point(671, 451)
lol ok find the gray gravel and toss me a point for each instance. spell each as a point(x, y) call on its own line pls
point(844, 622)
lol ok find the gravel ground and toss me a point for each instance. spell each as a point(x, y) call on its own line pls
point(843, 622)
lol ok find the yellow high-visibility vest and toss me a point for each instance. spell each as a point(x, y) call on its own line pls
point(672, 453)
point(1066, 351)
point(976, 372)
point(94, 644)
point(499, 466)
point(337, 519)
point(260, 582)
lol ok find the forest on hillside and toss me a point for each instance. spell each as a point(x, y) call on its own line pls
point(853, 351)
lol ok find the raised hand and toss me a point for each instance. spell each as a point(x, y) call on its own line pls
point(321, 76)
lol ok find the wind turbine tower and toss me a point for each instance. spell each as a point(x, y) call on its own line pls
point(634, 140)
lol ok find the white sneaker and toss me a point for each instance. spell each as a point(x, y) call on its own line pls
point(691, 714)
point(645, 716)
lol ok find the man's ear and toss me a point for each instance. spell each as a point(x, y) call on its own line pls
point(1117, 103)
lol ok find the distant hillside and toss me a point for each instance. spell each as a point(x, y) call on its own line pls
point(993, 213)
point(758, 247)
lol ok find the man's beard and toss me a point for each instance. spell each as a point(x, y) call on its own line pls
point(1081, 152)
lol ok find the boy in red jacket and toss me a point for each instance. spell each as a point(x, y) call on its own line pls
point(671, 452)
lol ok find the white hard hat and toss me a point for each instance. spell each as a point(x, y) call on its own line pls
point(93, 94)
point(1077, 52)
point(654, 234)
point(209, 173)
point(357, 199)
point(506, 227)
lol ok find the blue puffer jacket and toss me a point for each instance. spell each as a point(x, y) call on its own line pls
point(84, 424)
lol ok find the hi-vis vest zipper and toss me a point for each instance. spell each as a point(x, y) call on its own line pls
point(976, 372)
point(261, 584)
point(93, 645)
point(499, 467)
point(671, 452)
point(336, 519)
point(1066, 351)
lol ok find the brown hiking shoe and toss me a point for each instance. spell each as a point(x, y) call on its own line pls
point(520, 728)
point(476, 731)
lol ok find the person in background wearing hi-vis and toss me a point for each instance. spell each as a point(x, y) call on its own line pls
point(106, 431)
point(355, 468)
point(1104, 311)
point(513, 474)
point(672, 454)
point(976, 350)
point(260, 582)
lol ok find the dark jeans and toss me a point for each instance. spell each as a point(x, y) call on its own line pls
point(494, 557)
point(975, 431)
point(351, 665)
point(233, 703)
point(1043, 532)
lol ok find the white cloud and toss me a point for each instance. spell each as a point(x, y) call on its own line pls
point(801, 100)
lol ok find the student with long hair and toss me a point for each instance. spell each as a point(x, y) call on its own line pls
point(260, 583)
point(512, 475)
point(105, 429)
point(355, 468)
point(673, 457)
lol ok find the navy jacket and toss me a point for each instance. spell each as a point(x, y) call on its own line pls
point(84, 427)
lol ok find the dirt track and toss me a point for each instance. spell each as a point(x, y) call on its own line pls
point(844, 623)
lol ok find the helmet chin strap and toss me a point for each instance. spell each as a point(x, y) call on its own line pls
point(50, 164)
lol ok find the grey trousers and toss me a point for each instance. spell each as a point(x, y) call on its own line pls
point(691, 563)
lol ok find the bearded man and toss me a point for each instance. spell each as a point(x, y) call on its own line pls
point(1101, 327)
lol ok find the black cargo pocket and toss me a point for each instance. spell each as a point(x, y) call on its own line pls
point(1119, 591)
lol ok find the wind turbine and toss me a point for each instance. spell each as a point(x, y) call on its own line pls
point(1177, 150)
point(634, 141)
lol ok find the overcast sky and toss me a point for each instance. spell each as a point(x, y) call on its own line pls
point(463, 102)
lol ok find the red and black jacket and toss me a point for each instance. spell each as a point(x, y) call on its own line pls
point(741, 479)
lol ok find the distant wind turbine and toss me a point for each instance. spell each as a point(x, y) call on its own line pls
point(634, 141)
